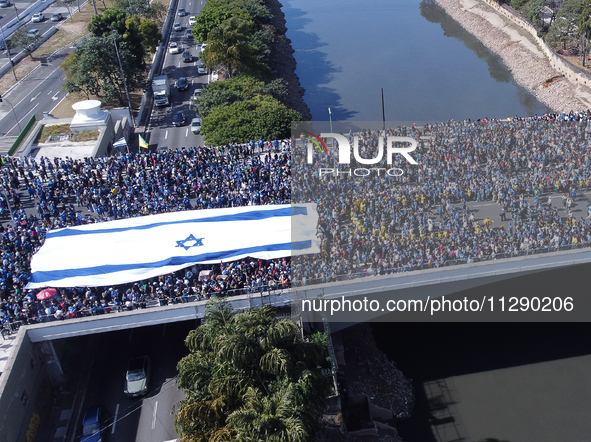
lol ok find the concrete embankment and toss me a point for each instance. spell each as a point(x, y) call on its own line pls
point(519, 51)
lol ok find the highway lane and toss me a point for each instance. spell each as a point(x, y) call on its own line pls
point(146, 419)
point(163, 135)
point(39, 92)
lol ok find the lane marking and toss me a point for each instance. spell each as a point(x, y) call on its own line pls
point(187, 133)
point(154, 416)
point(115, 421)
point(50, 92)
point(165, 135)
point(35, 97)
point(21, 119)
point(482, 205)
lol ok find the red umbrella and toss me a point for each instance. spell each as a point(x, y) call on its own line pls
point(45, 294)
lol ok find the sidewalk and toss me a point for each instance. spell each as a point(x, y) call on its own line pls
point(6, 346)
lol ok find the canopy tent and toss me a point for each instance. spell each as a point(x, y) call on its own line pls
point(129, 250)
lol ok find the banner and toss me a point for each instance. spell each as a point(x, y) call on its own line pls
point(122, 251)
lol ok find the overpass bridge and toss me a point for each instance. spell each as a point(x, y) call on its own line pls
point(419, 285)
point(33, 355)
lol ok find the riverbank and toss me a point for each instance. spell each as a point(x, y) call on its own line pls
point(527, 63)
point(283, 61)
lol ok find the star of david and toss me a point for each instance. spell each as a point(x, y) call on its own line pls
point(190, 238)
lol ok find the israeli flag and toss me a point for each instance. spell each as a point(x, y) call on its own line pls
point(122, 251)
point(120, 143)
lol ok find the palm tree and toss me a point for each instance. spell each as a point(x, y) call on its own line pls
point(249, 377)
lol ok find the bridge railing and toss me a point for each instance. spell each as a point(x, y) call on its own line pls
point(372, 271)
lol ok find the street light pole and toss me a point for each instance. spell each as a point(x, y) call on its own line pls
point(15, 117)
point(124, 82)
point(8, 51)
point(330, 118)
point(16, 10)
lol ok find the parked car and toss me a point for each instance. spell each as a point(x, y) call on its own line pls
point(57, 16)
point(178, 119)
point(189, 34)
point(182, 12)
point(33, 32)
point(93, 424)
point(187, 57)
point(192, 20)
point(37, 17)
point(196, 125)
point(182, 84)
point(137, 376)
point(2, 45)
point(4, 3)
point(202, 69)
point(177, 27)
point(174, 48)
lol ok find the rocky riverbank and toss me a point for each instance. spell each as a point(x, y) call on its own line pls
point(530, 68)
point(283, 61)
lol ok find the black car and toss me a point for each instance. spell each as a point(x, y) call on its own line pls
point(182, 84)
point(178, 119)
point(187, 57)
point(189, 34)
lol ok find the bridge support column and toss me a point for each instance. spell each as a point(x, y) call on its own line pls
point(52, 364)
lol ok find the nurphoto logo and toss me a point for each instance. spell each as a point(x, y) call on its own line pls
point(394, 146)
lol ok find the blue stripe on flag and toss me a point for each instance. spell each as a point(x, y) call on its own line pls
point(247, 216)
point(227, 255)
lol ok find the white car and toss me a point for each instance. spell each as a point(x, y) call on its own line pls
point(203, 46)
point(33, 32)
point(177, 27)
point(202, 69)
point(174, 48)
point(196, 94)
point(37, 17)
point(192, 20)
point(196, 125)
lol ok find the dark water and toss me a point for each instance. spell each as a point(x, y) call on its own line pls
point(428, 66)
point(431, 351)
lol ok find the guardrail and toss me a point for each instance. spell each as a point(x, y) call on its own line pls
point(370, 271)
point(21, 136)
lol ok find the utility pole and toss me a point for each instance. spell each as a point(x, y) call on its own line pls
point(124, 82)
point(383, 112)
point(16, 10)
point(94, 6)
point(8, 51)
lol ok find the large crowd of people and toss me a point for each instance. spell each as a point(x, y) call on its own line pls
point(368, 225)
point(422, 218)
point(45, 194)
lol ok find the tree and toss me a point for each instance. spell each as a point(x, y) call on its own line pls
point(150, 35)
point(68, 5)
point(116, 20)
point(209, 18)
point(26, 41)
point(565, 25)
point(229, 46)
point(94, 68)
point(240, 122)
point(584, 28)
point(249, 377)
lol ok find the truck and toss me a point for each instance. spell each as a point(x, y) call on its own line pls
point(161, 89)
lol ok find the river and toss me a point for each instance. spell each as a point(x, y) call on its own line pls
point(429, 68)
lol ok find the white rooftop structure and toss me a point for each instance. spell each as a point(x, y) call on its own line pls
point(89, 116)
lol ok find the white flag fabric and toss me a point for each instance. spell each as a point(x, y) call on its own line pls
point(129, 250)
